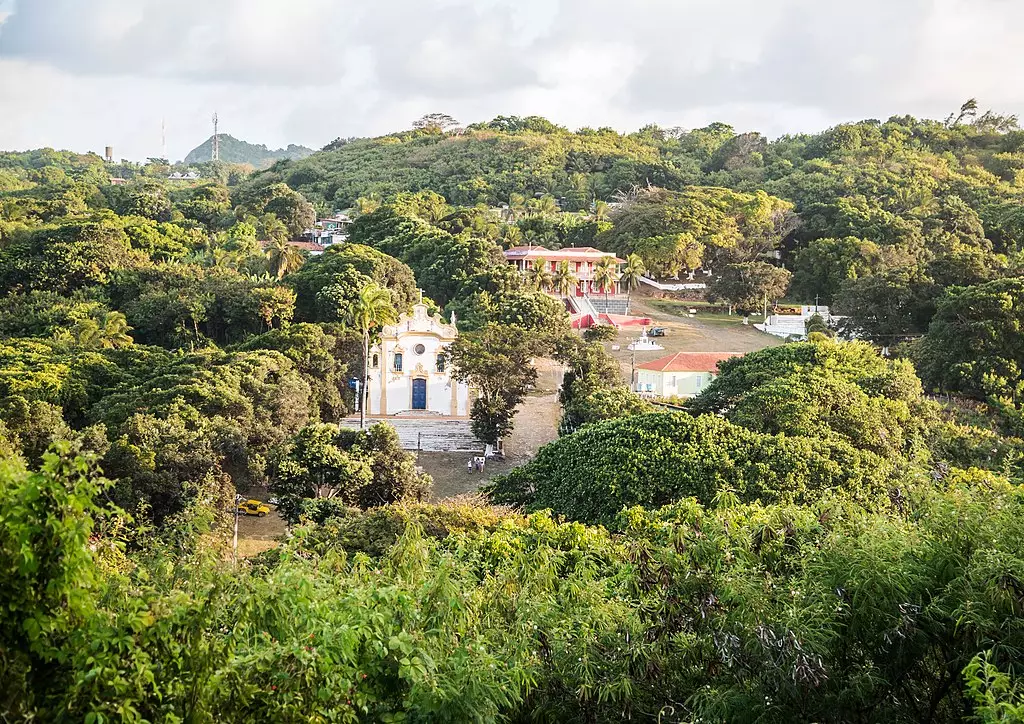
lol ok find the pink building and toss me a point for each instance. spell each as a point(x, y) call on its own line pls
point(581, 261)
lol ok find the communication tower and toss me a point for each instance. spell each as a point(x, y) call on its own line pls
point(216, 139)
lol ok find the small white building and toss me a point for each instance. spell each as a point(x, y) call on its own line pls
point(408, 375)
point(683, 374)
point(795, 325)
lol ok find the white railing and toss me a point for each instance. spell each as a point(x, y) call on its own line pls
point(680, 287)
point(585, 307)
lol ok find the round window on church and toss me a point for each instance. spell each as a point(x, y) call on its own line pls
point(419, 349)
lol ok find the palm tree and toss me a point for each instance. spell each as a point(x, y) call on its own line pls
point(109, 333)
point(564, 280)
point(631, 274)
point(606, 273)
point(540, 276)
point(223, 259)
point(600, 210)
point(516, 207)
point(282, 258)
point(368, 204)
point(511, 236)
point(545, 205)
point(371, 310)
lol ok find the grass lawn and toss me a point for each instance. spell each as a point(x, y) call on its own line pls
point(681, 309)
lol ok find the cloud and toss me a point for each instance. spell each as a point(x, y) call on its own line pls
point(306, 71)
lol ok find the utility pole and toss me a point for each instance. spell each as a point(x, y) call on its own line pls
point(362, 403)
point(632, 368)
point(765, 315)
point(216, 138)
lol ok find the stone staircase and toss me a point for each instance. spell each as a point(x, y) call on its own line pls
point(614, 305)
point(427, 434)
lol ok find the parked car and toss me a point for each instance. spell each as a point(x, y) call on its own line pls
point(656, 332)
point(253, 507)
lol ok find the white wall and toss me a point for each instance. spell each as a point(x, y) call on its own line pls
point(390, 391)
point(672, 384)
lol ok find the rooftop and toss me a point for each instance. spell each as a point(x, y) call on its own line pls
point(310, 246)
point(574, 253)
point(688, 362)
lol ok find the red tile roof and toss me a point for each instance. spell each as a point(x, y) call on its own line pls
point(306, 245)
point(301, 245)
point(577, 253)
point(687, 362)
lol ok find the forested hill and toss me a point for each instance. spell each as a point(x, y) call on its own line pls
point(232, 150)
point(874, 218)
point(899, 167)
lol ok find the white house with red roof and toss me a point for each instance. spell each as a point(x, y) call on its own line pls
point(683, 374)
point(582, 261)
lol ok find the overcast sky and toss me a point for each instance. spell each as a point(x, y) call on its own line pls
point(82, 74)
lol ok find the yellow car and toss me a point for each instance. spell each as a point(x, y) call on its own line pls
point(253, 507)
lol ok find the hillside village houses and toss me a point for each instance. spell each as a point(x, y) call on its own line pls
point(408, 375)
point(331, 230)
point(683, 374)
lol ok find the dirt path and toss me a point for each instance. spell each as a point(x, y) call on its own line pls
point(683, 334)
point(256, 535)
point(536, 424)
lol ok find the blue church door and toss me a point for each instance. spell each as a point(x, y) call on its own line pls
point(419, 394)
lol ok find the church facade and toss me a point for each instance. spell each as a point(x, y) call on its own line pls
point(408, 375)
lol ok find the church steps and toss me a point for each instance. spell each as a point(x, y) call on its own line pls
point(427, 434)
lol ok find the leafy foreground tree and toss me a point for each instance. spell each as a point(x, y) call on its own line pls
point(654, 459)
point(727, 613)
point(362, 469)
point(498, 361)
point(842, 390)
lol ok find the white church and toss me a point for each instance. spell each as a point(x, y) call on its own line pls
point(408, 375)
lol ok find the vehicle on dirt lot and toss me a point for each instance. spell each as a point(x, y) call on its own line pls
point(253, 507)
point(656, 332)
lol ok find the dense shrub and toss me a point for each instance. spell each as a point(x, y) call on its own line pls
point(838, 390)
point(656, 459)
point(738, 613)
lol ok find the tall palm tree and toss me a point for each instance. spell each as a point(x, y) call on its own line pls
point(606, 273)
point(600, 210)
point(564, 280)
point(109, 333)
point(631, 274)
point(371, 310)
point(282, 258)
point(540, 276)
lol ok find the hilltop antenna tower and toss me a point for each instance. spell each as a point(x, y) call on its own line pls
point(216, 139)
point(163, 139)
